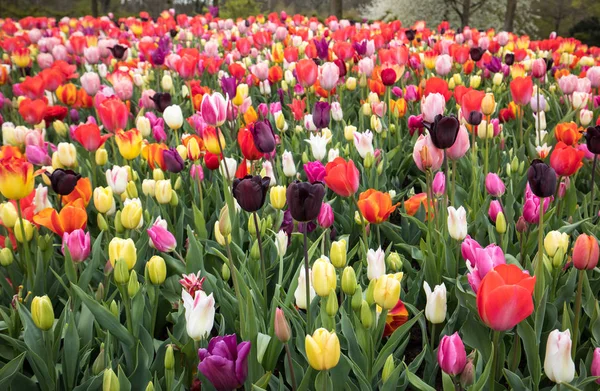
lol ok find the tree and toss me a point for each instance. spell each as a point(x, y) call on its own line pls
point(336, 8)
point(509, 17)
point(465, 8)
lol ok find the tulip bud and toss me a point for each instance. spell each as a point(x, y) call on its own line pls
point(100, 292)
point(114, 309)
point(60, 128)
point(558, 364)
point(252, 226)
point(332, 304)
point(557, 259)
point(514, 164)
point(283, 332)
point(554, 241)
point(6, 257)
point(101, 156)
point(169, 358)
point(121, 272)
point(99, 365)
point(585, 252)
point(8, 214)
point(338, 253)
point(174, 199)
point(500, 223)
point(118, 224)
point(435, 309)
point(278, 197)
point(323, 277)
point(467, 377)
point(368, 160)
point(349, 281)
point(225, 272)
point(394, 261)
point(357, 298)
point(158, 175)
point(42, 312)
point(388, 368)
point(166, 83)
point(351, 83)
point(26, 228)
point(110, 381)
point(150, 386)
point(366, 316)
point(157, 270)
point(101, 221)
point(133, 286)
point(131, 190)
point(255, 251)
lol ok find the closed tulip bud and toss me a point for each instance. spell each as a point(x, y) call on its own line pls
point(60, 127)
point(467, 377)
point(357, 298)
point(67, 154)
point(26, 228)
point(101, 222)
point(514, 164)
point(101, 156)
point(277, 197)
point(122, 249)
point(255, 251)
point(252, 226)
point(386, 291)
point(394, 261)
point(585, 252)
point(521, 168)
point(558, 364)
point(475, 81)
point(163, 191)
point(451, 355)
point(99, 364)
point(323, 277)
point(174, 198)
point(435, 309)
point(218, 236)
point(103, 199)
point(225, 272)
point(110, 381)
point(558, 258)
point(158, 174)
point(157, 270)
point(42, 312)
point(366, 109)
point(370, 291)
point(132, 214)
point(224, 221)
point(595, 369)
point(121, 273)
point(281, 241)
point(349, 281)
point(100, 293)
point(366, 316)
point(338, 253)
point(114, 309)
point(8, 214)
point(388, 368)
point(150, 386)
point(332, 304)
point(6, 257)
point(497, 79)
point(169, 358)
point(133, 285)
point(500, 223)
point(554, 241)
point(118, 224)
point(488, 104)
point(351, 83)
point(131, 190)
point(166, 82)
point(283, 332)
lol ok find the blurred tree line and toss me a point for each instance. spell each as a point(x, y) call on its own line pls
point(577, 18)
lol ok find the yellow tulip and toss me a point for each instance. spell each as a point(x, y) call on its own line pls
point(123, 249)
point(322, 349)
point(387, 291)
point(323, 277)
point(278, 197)
point(42, 312)
point(338, 253)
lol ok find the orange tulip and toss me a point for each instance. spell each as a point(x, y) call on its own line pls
point(413, 204)
point(71, 217)
point(153, 153)
point(67, 93)
point(568, 133)
point(83, 191)
point(375, 206)
point(566, 160)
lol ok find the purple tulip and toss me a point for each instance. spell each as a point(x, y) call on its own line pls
point(315, 171)
point(322, 48)
point(225, 363)
point(158, 57)
point(173, 161)
point(321, 114)
point(263, 136)
point(78, 243)
point(361, 48)
point(452, 356)
point(495, 65)
point(160, 237)
point(229, 86)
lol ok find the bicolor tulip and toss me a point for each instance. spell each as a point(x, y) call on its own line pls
point(214, 109)
point(376, 206)
point(199, 313)
point(585, 252)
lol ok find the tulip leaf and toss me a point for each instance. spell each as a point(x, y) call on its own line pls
point(417, 382)
point(105, 318)
point(531, 348)
point(392, 382)
point(393, 342)
point(263, 382)
point(306, 380)
point(483, 379)
point(94, 262)
point(124, 383)
point(199, 223)
point(354, 350)
point(514, 381)
point(447, 382)
point(10, 369)
point(70, 351)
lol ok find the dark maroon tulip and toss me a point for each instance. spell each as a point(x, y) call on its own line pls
point(322, 48)
point(321, 114)
point(541, 178)
point(341, 66)
point(443, 131)
point(592, 138)
point(475, 118)
point(410, 34)
point(304, 200)
point(263, 136)
point(161, 100)
point(509, 59)
point(63, 181)
point(476, 53)
point(225, 363)
point(173, 161)
point(388, 77)
point(118, 51)
point(251, 191)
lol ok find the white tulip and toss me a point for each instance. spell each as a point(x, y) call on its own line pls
point(435, 309)
point(457, 223)
point(173, 117)
point(300, 293)
point(375, 263)
point(199, 314)
point(558, 364)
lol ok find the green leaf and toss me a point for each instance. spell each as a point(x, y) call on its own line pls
point(105, 318)
point(417, 382)
point(531, 351)
point(10, 369)
point(514, 381)
point(393, 342)
point(447, 382)
point(483, 379)
point(70, 352)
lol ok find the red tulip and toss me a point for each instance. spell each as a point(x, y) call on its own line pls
point(33, 87)
point(565, 159)
point(471, 101)
point(246, 142)
point(307, 72)
point(504, 297)
point(521, 89)
point(113, 113)
point(33, 111)
point(342, 177)
point(88, 135)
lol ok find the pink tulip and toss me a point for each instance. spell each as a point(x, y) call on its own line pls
point(214, 109)
point(594, 75)
point(329, 74)
point(197, 172)
point(91, 54)
point(78, 243)
point(146, 100)
point(494, 185)
point(486, 259)
point(432, 105)
point(160, 237)
point(531, 206)
point(538, 68)
point(325, 218)
point(494, 209)
point(45, 60)
point(461, 145)
point(439, 184)
point(412, 94)
point(568, 84)
point(90, 82)
point(468, 247)
point(426, 155)
point(595, 369)
point(452, 356)
point(443, 64)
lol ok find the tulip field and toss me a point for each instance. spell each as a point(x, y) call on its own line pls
point(291, 203)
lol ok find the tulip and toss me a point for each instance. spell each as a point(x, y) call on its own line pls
point(63, 181)
point(300, 292)
point(595, 369)
point(494, 185)
point(263, 136)
point(342, 177)
point(78, 243)
point(323, 277)
point(322, 349)
point(88, 135)
point(558, 364)
point(287, 161)
point(103, 199)
point(228, 167)
point(521, 89)
point(363, 142)
point(554, 241)
point(592, 138)
point(439, 184)
point(66, 155)
point(42, 312)
point(435, 309)
point(585, 252)
point(541, 178)
point(113, 114)
point(325, 218)
point(124, 250)
point(426, 155)
point(199, 314)
point(375, 263)
point(307, 71)
point(117, 179)
point(160, 237)
point(23, 230)
point(504, 298)
point(321, 115)
point(132, 214)
point(225, 362)
point(16, 177)
point(375, 206)
point(386, 291)
point(329, 75)
point(494, 209)
point(432, 106)
point(251, 192)
point(304, 200)
point(129, 143)
point(157, 270)
point(318, 144)
point(283, 332)
point(566, 160)
point(214, 109)
point(277, 197)
point(451, 356)
point(8, 214)
point(457, 223)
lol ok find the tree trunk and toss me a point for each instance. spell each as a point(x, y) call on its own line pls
point(336, 8)
point(466, 13)
point(95, 8)
point(105, 4)
point(509, 18)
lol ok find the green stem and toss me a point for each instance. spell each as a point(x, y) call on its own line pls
point(280, 279)
point(307, 280)
point(363, 226)
point(495, 341)
point(592, 190)
point(432, 336)
point(156, 290)
point(288, 353)
point(577, 311)
point(539, 265)
point(453, 194)
point(262, 258)
point(28, 263)
point(127, 305)
point(236, 286)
